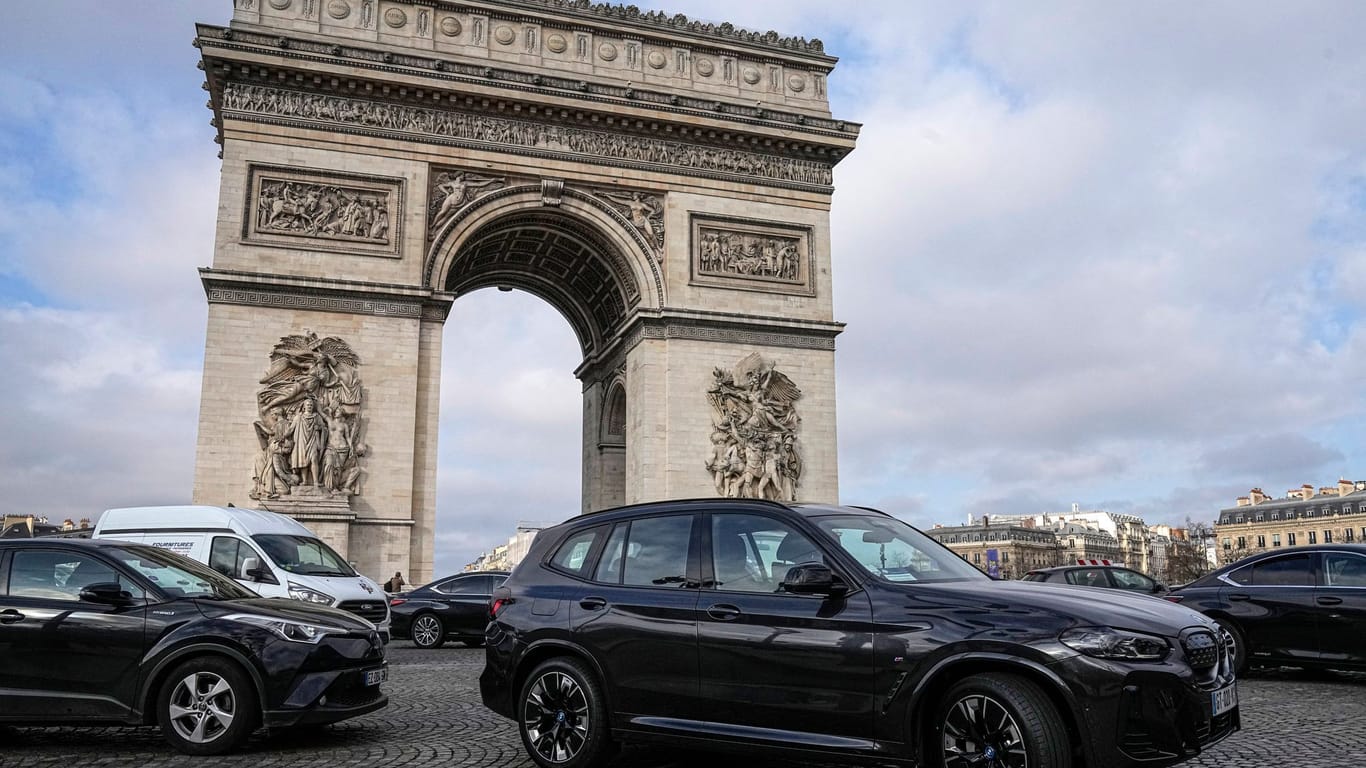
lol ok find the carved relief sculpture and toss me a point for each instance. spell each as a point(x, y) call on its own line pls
point(644, 211)
point(309, 421)
point(332, 212)
point(731, 252)
point(453, 190)
point(755, 453)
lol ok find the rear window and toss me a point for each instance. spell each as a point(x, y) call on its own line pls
point(572, 556)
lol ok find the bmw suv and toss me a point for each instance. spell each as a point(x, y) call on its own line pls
point(835, 632)
point(108, 632)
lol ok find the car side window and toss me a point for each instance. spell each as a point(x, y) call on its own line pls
point(753, 553)
point(572, 556)
point(1343, 570)
point(657, 551)
point(53, 575)
point(1132, 580)
point(468, 585)
point(1088, 577)
point(229, 556)
point(609, 566)
point(1291, 571)
point(1241, 576)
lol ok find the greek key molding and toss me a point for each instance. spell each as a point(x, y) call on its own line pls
point(264, 103)
point(691, 331)
point(280, 299)
point(321, 210)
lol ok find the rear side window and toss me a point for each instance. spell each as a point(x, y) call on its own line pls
point(572, 556)
point(1035, 577)
point(1290, 571)
point(1088, 577)
point(657, 551)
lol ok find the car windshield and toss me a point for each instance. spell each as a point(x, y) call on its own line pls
point(303, 555)
point(890, 549)
point(179, 576)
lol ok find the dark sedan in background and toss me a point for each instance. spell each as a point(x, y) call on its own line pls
point(456, 607)
point(1303, 606)
point(1106, 576)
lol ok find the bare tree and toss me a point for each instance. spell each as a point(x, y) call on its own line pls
point(1186, 559)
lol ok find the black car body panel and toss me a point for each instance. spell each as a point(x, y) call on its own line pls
point(685, 660)
point(460, 601)
point(1299, 606)
point(73, 661)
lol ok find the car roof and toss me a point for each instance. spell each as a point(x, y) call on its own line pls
point(1054, 568)
point(60, 541)
point(706, 504)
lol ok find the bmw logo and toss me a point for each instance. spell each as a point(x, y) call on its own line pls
point(989, 753)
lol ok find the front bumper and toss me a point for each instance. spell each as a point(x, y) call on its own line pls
point(329, 697)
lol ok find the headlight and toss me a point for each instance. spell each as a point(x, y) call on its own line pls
point(299, 592)
point(1111, 643)
point(296, 631)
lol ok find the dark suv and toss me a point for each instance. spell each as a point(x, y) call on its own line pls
point(107, 632)
point(836, 632)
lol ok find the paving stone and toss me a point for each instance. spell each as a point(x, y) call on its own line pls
point(434, 718)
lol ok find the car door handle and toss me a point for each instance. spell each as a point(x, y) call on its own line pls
point(723, 612)
point(1239, 597)
point(9, 616)
point(1329, 601)
point(592, 603)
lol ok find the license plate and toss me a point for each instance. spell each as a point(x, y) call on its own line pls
point(376, 676)
point(1224, 699)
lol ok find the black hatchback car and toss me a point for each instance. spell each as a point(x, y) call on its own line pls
point(1302, 606)
point(455, 607)
point(836, 632)
point(107, 633)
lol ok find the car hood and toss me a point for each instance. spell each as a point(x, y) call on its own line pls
point(1064, 606)
point(284, 608)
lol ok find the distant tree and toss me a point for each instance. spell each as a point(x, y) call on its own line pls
point(1186, 560)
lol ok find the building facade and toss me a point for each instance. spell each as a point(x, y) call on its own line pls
point(1329, 515)
point(1016, 549)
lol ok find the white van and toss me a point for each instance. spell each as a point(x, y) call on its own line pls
point(270, 554)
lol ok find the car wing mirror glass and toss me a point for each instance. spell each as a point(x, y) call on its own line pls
point(106, 593)
point(252, 569)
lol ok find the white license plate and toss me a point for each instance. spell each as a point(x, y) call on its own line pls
point(376, 676)
point(1224, 699)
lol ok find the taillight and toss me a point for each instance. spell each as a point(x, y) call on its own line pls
point(397, 601)
point(497, 605)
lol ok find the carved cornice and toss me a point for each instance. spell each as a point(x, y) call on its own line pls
point(452, 71)
point(733, 329)
point(322, 295)
point(280, 106)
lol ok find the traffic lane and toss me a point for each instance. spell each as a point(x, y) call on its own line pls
point(1289, 717)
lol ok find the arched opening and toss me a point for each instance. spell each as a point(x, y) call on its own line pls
point(521, 412)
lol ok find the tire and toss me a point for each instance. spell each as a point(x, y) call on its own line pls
point(428, 631)
point(562, 716)
point(207, 706)
point(998, 720)
point(1234, 635)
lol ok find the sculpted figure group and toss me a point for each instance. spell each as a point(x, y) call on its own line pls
point(734, 253)
point(309, 425)
point(319, 210)
point(755, 453)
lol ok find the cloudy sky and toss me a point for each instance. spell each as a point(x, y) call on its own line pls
point(1111, 254)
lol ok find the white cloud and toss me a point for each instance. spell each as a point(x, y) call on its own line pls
point(1102, 254)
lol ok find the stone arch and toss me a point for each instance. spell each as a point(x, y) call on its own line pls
point(508, 238)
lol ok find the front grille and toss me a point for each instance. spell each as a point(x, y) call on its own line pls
point(375, 611)
point(1202, 650)
point(350, 691)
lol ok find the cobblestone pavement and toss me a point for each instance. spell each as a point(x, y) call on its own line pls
point(435, 719)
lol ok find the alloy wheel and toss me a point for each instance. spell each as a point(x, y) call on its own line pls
point(555, 717)
point(426, 630)
point(980, 732)
point(202, 707)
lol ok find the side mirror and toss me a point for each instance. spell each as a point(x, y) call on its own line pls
point(813, 579)
point(251, 567)
point(106, 593)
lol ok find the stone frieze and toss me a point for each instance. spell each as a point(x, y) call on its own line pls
point(302, 208)
point(730, 252)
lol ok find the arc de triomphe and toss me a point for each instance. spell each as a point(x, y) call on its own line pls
point(665, 184)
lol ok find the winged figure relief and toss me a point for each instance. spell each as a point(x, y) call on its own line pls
point(755, 452)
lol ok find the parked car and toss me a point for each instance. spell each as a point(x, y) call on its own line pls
point(836, 632)
point(1106, 576)
point(456, 607)
point(1302, 606)
point(266, 552)
point(109, 632)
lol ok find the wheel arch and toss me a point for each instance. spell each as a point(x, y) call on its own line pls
point(151, 686)
point(949, 671)
point(545, 650)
